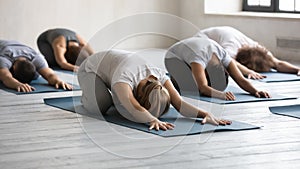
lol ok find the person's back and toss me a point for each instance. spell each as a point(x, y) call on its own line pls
point(229, 38)
point(11, 50)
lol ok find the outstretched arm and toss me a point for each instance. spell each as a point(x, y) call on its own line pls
point(189, 110)
point(244, 83)
point(199, 75)
point(284, 66)
point(59, 48)
point(139, 113)
point(53, 80)
point(9, 81)
point(251, 74)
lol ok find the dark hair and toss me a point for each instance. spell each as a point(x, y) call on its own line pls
point(76, 54)
point(72, 53)
point(255, 58)
point(23, 71)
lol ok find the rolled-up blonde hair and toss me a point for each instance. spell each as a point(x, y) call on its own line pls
point(155, 98)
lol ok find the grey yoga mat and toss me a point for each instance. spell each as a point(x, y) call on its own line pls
point(279, 77)
point(40, 85)
point(184, 126)
point(241, 97)
point(289, 110)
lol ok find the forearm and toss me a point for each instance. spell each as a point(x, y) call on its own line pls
point(283, 66)
point(67, 66)
point(247, 86)
point(189, 110)
point(12, 83)
point(126, 99)
point(244, 70)
point(211, 92)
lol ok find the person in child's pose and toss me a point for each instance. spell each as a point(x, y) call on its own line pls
point(20, 64)
point(252, 58)
point(209, 62)
point(63, 48)
point(141, 92)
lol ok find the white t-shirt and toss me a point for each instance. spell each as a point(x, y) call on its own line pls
point(115, 66)
point(229, 38)
point(198, 50)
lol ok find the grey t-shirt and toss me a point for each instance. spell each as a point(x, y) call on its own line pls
point(11, 50)
point(198, 50)
point(122, 66)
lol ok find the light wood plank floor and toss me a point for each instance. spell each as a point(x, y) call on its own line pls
point(34, 135)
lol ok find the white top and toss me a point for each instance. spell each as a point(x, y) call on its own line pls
point(229, 38)
point(115, 66)
point(198, 50)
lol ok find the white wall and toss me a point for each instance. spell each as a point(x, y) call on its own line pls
point(24, 20)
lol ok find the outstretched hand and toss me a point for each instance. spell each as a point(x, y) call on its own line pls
point(256, 76)
point(209, 118)
point(298, 74)
point(262, 94)
point(24, 87)
point(229, 96)
point(64, 85)
point(157, 125)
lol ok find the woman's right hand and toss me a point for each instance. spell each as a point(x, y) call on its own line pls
point(157, 125)
point(228, 96)
point(210, 118)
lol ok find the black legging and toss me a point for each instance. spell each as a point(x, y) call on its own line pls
point(46, 49)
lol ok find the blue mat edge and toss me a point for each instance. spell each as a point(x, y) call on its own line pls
point(160, 132)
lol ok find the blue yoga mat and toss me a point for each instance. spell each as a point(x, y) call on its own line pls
point(279, 77)
point(184, 126)
point(241, 97)
point(290, 110)
point(57, 69)
point(40, 85)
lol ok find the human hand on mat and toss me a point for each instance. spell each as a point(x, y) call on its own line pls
point(24, 87)
point(262, 94)
point(229, 96)
point(63, 85)
point(157, 124)
point(256, 76)
point(210, 118)
point(298, 74)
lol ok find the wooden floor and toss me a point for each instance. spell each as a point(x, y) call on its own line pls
point(34, 135)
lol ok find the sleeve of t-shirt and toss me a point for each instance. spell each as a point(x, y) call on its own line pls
point(226, 59)
point(39, 62)
point(5, 63)
point(201, 58)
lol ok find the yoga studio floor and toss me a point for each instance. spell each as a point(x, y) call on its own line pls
point(35, 135)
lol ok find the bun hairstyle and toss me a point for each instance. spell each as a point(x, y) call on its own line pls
point(155, 98)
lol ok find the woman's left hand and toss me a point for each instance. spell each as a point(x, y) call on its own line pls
point(63, 85)
point(262, 94)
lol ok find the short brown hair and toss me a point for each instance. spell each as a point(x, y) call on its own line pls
point(255, 58)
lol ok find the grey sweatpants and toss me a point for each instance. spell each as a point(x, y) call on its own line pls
point(96, 97)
